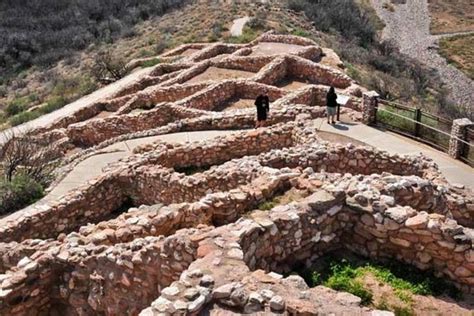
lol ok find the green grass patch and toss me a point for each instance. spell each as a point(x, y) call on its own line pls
point(348, 275)
point(23, 117)
point(19, 104)
point(285, 197)
point(247, 36)
point(459, 51)
point(300, 32)
point(151, 62)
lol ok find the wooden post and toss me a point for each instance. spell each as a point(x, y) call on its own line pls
point(338, 112)
point(417, 119)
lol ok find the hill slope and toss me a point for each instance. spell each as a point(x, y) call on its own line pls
point(375, 65)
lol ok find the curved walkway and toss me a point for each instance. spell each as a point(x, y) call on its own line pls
point(409, 27)
point(238, 26)
point(92, 167)
point(455, 171)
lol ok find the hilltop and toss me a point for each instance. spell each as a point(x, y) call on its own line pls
point(26, 94)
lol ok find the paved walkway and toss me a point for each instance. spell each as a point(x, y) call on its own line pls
point(454, 170)
point(92, 167)
point(238, 26)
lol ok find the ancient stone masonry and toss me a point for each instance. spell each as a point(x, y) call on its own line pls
point(458, 134)
point(214, 226)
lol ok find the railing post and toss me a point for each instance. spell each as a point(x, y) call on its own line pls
point(369, 106)
point(417, 119)
point(458, 131)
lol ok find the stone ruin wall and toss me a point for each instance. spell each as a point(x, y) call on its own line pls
point(201, 245)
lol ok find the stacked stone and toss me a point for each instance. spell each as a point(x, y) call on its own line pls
point(184, 47)
point(26, 288)
point(150, 96)
point(286, 39)
point(189, 73)
point(273, 72)
point(458, 132)
point(11, 254)
point(95, 131)
point(125, 277)
point(213, 51)
point(242, 62)
point(301, 68)
point(92, 202)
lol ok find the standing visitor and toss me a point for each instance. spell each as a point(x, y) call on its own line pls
point(263, 107)
point(331, 105)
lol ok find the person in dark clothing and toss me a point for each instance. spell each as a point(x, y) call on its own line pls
point(331, 105)
point(263, 107)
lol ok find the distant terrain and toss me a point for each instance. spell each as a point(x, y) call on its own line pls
point(34, 83)
point(459, 50)
point(451, 16)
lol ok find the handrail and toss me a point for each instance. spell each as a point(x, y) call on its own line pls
point(398, 105)
point(406, 107)
point(435, 129)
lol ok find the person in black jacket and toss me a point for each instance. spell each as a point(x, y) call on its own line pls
point(331, 105)
point(263, 107)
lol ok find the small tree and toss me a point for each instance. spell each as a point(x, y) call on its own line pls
point(27, 155)
point(107, 68)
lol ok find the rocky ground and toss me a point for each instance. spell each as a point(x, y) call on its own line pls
point(409, 27)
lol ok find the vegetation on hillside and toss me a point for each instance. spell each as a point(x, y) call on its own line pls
point(459, 50)
point(26, 166)
point(43, 31)
point(376, 64)
point(451, 16)
point(349, 27)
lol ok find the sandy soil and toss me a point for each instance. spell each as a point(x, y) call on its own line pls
point(214, 73)
point(266, 48)
point(189, 52)
point(421, 305)
point(451, 16)
point(235, 104)
point(103, 114)
point(289, 84)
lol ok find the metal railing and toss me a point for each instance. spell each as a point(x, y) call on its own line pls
point(424, 127)
point(415, 123)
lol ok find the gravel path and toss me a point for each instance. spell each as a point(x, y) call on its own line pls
point(409, 28)
point(238, 26)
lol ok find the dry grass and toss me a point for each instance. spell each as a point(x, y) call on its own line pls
point(459, 50)
point(451, 16)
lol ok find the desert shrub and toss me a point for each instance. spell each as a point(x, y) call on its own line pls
point(26, 164)
point(18, 193)
point(340, 16)
point(108, 68)
point(247, 36)
point(44, 31)
point(3, 91)
point(151, 62)
point(53, 104)
point(23, 117)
